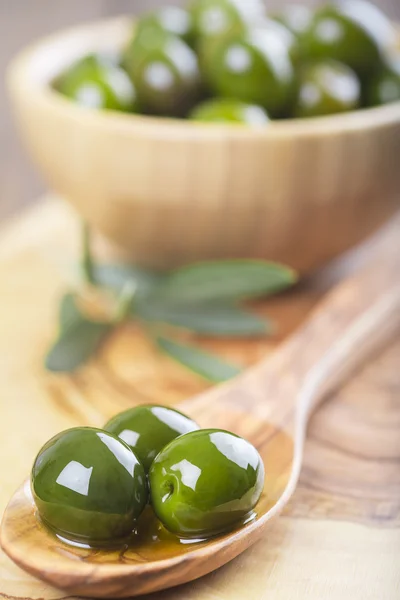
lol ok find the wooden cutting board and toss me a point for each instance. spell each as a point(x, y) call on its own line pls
point(339, 538)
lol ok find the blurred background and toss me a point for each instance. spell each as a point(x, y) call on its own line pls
point(22, 21)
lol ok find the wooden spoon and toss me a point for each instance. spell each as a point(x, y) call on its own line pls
point(270, 406)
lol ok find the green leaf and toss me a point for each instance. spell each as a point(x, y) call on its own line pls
point(228, 280)
point(115, 277)
point(69, 312)
point(76, 345)
point(87, 263)
point(124, 308)
point(214, 320)
point(206, 365)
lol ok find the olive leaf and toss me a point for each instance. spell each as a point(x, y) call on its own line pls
point(209, 319)
point(87, 263)
point(204, 364)
point(113, 276)
point(116, 276)
point(228, 280)
point(200, 297)
point(76, 345)
point(123, 309)
point(78, 340)
point(69, 313)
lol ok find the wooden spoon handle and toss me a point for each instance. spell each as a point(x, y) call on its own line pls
point(372, 329)
point(354, 320)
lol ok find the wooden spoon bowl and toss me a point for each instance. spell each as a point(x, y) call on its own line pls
point(270, 406)
point(153, 559)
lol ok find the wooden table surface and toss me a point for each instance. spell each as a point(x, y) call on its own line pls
point(339, 538)
point(21, 22)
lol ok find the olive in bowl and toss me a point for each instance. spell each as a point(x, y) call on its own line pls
point(88, 485)
point(205, 482)
point(273, 28)
point(384, 87)
point(254, 67)
point(326, 88)
point(296, 17)
point(96, 82)
point(217, 18)
point(148, 428)
point(224, 110)
point(171, 19)
point(354, 32)
point(165, 72)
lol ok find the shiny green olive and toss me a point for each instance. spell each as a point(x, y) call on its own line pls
point(170, 19)
point(384, 87)
point(354, 32)
point(224, 110)
point(326, 88)
point(88, 485)
point(296, 17)
point(205, 482)
point(217, 18)
point(254, 67)
point(165, 72)
point(148, 428)
point(274, 28)
point(97, 82)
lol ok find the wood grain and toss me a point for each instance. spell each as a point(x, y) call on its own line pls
point(88, 398)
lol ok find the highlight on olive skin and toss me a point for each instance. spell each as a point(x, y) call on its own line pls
point(206, 482)
point(148, 428)
point(207, 61)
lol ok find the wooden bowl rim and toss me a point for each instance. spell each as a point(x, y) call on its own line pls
point(21, 80)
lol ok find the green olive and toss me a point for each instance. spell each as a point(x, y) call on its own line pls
point(224, 110)
point(170, 19)
point(148, 428)
point(88, 485)
point(326, 88)
point(384, 87)
point(254, 67)
point(216, 18)
point(354, 32)
point(205, 482)
point(97, 82)
point(296, 17)
point(165, 72)
point(274, 28)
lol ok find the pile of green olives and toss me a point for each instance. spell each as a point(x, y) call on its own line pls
point(91, 485)
point(230, 61)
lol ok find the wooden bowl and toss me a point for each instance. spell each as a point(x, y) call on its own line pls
point(170, 191)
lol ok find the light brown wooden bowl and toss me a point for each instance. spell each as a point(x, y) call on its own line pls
point(170, 191)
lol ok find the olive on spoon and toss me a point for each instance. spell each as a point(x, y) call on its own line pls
point(270, 406)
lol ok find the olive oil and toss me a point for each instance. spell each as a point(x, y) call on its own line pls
point(151, 541)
